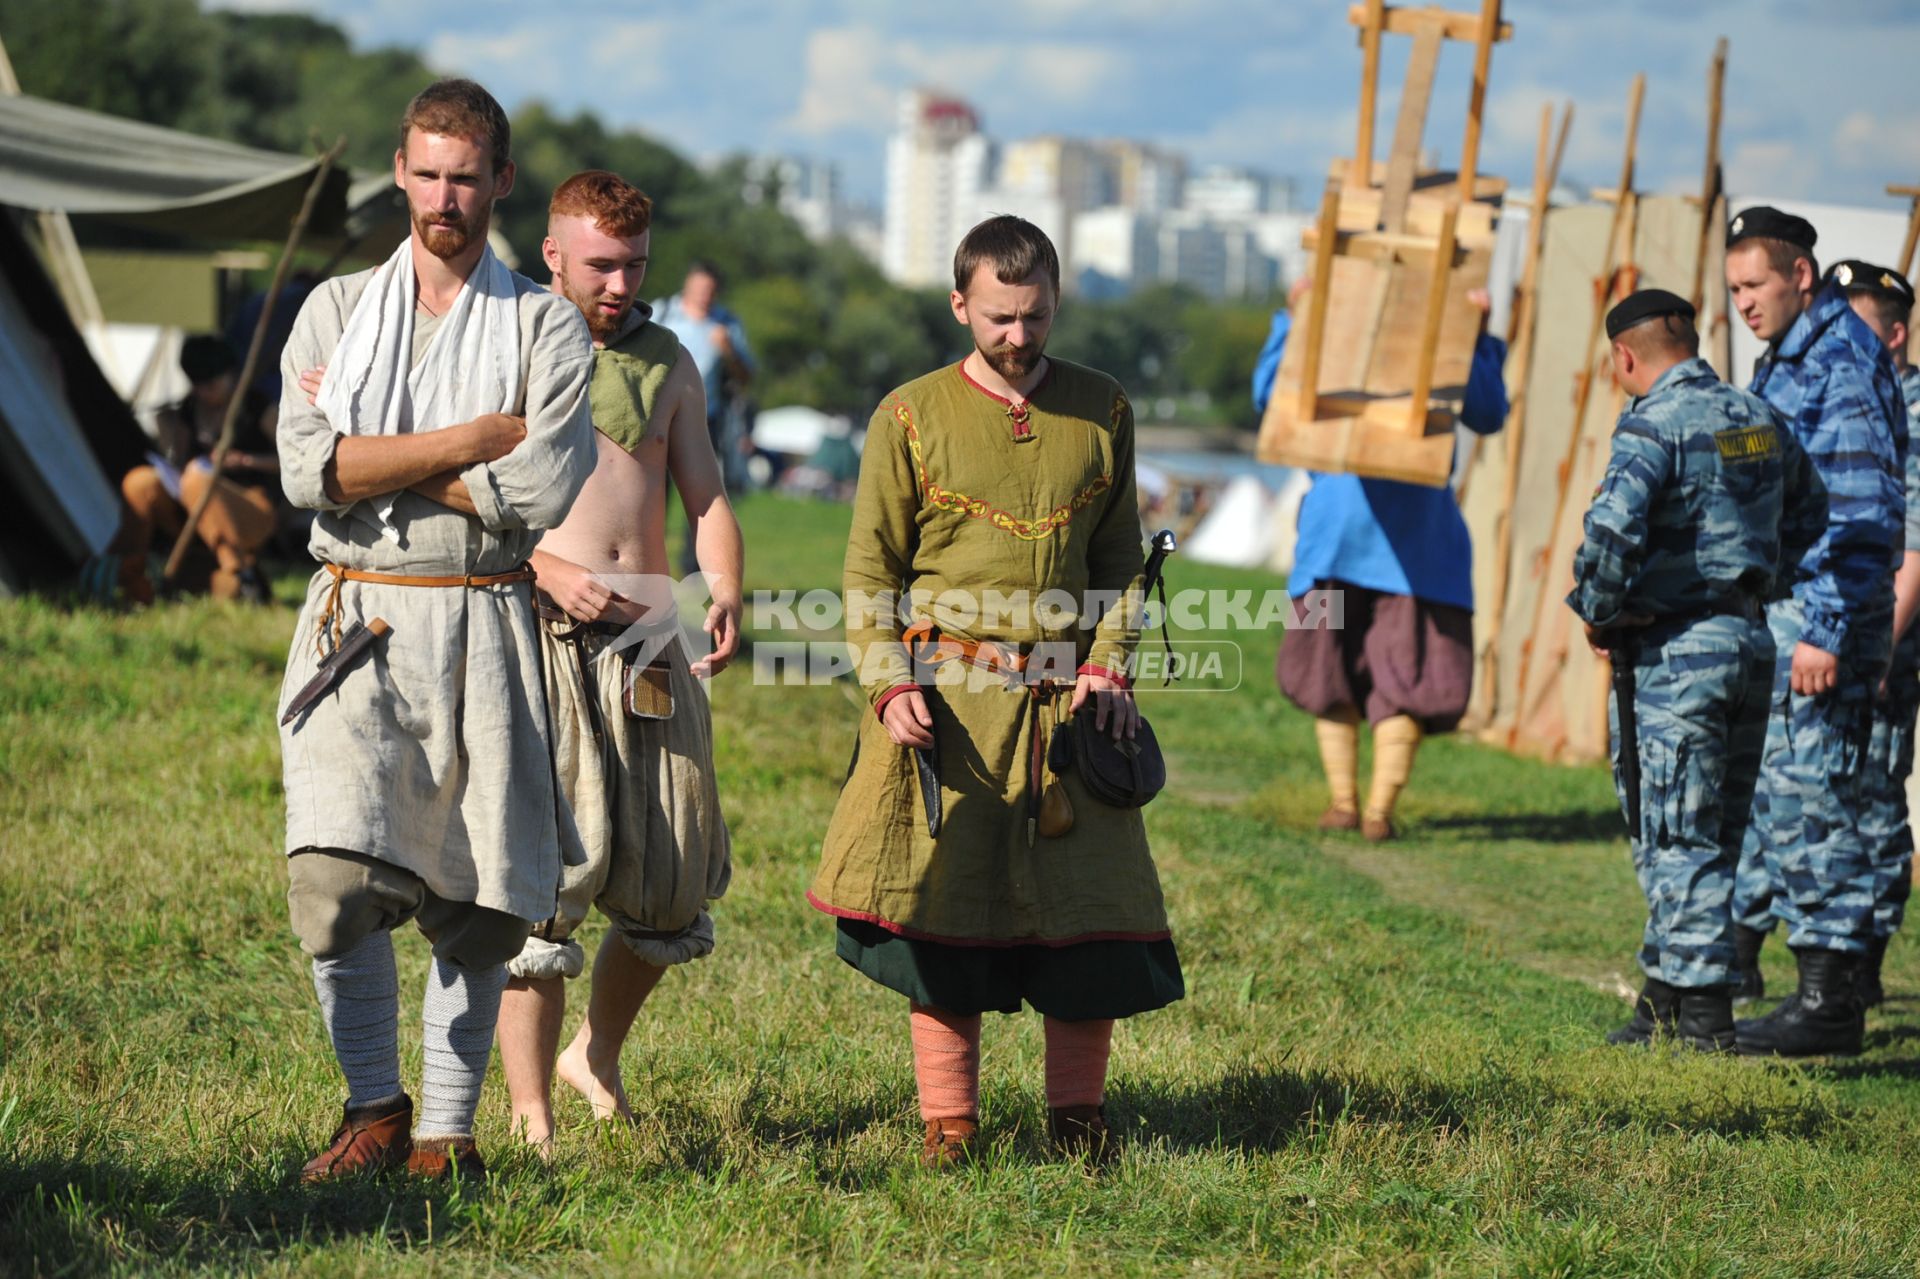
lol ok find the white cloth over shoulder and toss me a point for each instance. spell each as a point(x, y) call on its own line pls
point(472, 365)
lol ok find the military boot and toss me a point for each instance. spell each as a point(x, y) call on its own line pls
point(1654, 1013)
point(1872, 993)
point(1822, 1018)
point(1704, 1020)
point(1747, 982)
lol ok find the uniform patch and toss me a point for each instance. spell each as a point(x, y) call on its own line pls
point(1747, 443)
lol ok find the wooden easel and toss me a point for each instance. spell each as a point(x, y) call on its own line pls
point(1551, 624)
point(1373, 381)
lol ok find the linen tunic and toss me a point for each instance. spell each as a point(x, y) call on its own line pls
point(432, 753)
point(950, 501)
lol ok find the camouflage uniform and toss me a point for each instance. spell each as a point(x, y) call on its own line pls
point(1686, 528)
point(1806, 858)
point(1883, 823)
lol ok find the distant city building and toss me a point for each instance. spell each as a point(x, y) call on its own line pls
point(1123, 214)
point(937, 163)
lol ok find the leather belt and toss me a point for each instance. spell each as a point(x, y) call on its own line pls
point(330, 613)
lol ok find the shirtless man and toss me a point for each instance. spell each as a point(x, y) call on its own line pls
point(631, 733)
point(632, 736)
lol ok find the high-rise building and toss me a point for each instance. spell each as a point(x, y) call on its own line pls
point(937, 162)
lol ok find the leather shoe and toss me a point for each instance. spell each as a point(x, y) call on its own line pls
point(370, 1139)
point(949, 1142)
point(1082, 1131)
point(443, 1158)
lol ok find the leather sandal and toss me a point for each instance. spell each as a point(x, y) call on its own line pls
point(1338, 818)
point(443, 1158)
point(949, 1142)
point(1082, 1131)
point(370, 1139)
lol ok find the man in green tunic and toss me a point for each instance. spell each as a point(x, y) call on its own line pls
point(996, 504)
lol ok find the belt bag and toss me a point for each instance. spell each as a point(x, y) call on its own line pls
point(1124, 774)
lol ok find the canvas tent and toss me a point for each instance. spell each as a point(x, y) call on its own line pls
point(65, 437)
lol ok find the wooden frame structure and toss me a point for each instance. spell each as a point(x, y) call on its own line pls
point(1373, 380)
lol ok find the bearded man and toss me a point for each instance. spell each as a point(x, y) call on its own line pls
point(1001, 480)
point(633, 739)
point(451, 427)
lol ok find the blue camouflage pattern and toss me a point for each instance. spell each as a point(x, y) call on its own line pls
point(1685, 528)
point(1831, 379)
point(1807, 859)
point(1885, 823)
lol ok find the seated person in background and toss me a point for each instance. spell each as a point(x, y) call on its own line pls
point(239, 518)
point(1400, 555)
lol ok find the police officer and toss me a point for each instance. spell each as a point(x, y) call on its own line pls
point(1682, 546)
point(1884, 299)
point(1806, 861)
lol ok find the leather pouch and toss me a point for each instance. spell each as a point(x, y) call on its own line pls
point(1125, 774)
point(649, 691)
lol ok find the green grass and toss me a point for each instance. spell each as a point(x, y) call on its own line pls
point(1388, 1061)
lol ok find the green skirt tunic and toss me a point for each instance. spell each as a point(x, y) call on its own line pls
point(979, 919)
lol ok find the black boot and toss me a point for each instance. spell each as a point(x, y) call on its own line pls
point(1872, 993)
point(1705, 1019)
point(1747, 983)
point(1654, 1013)
point(1822, 1018)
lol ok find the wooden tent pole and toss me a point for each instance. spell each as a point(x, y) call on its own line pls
point(1477, 104)
point(1711, 181)
point(1583, 388)
point(230, 425)
point(1913, 228)
point(1520, 336)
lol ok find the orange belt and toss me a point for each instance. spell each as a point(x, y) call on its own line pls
point(330, 614)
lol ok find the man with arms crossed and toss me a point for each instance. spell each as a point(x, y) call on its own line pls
point(1806, 860)
point(451, 426)
point(636, 767)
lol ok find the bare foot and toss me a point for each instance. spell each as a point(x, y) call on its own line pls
point(536, 1130)
point(603, 1090)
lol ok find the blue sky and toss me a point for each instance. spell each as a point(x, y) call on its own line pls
point(1820, 99)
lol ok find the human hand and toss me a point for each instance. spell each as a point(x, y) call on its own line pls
point(310, 382)
point(1113, 707)
point(493, 435)
point(722, 340)
point(578, 591)
point(1297, 292)
point(1480, 298)
point(1601, 639)
point(1815, 671)
point(723, 623)
point(907, 719)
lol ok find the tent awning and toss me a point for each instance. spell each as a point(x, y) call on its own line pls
point(58, 157)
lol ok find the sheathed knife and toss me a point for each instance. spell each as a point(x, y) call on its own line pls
point(926, 763)
point(358, 639)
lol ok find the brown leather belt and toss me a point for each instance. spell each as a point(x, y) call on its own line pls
point(929, 649)
point(330, 614)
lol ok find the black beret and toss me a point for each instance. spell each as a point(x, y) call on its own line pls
point(1645, 305)
point(1856, 276)
point(1765, 220)
point(204, 357)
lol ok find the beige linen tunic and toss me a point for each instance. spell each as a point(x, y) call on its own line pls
point(950, 501)
point(432, 753)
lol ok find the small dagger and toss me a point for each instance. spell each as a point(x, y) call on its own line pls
point(358, 639)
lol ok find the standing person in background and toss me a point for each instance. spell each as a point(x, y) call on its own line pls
point(717, 341)
point(1682, 546)
point(241, 514)
point(1884, 299)
point(1400, 556)
point(1806, 859)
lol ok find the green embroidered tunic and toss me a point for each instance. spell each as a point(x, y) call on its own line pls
point(968, 510)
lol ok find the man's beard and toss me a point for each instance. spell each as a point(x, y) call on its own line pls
point(445, 238)
point(1009, 361)
point(601, 325)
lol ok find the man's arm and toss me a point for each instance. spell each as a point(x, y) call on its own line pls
point(533, 486)
point(717, 544)
point(1615, 546)
point(880, 549)
point(1853, 447)
point(1115, 564)
point(487, 437)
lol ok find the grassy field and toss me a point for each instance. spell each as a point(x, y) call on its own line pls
point(1389, 1060)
